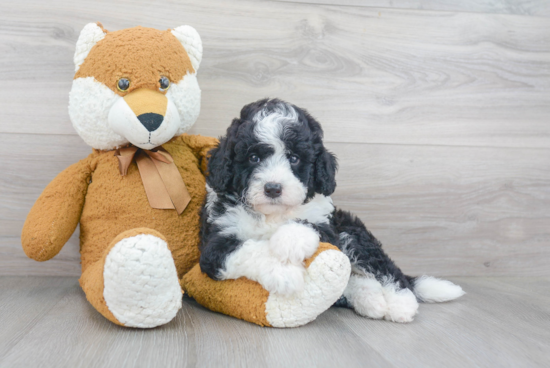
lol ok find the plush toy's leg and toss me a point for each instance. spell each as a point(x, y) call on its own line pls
point(135, 283)
point(328, 271)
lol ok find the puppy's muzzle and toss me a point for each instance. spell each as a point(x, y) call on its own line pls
point(273, 190)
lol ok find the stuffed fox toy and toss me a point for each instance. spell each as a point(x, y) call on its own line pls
point(137, 195)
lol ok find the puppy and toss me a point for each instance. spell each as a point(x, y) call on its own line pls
point(268, 206)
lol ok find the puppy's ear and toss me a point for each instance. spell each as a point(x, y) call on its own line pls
point(220, 162)
point(325, 172)
point(324, 177)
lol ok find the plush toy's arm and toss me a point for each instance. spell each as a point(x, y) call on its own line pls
point(200, 146)
point(56, 213)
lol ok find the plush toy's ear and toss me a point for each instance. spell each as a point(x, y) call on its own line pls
point(191, 41)
point(91, 34)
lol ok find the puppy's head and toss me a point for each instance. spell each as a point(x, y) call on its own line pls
point(273, 158)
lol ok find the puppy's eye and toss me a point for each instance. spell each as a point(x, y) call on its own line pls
point(254, 158)
point(164, 84)
point(123, 84)
point(293, 159)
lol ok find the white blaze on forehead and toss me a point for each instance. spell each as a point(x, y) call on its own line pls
point(271, 125)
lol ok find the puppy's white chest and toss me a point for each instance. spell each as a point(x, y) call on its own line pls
point(246, 225)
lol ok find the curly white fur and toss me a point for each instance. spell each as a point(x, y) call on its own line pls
point(294, 242)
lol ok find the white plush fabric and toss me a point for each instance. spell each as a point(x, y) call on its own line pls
point(325, 280)
point(99, 115)
point(123, 121)
point(141, 282)
point(89, 36)
point(186, 95)
point(89, 105)
point(191, 41)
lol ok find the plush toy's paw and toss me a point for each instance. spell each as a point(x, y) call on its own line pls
point(369, 298)
point(294, 242)
point(141, 283)
point(326, 278)
point(285, 279)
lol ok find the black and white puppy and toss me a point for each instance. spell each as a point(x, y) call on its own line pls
point(268, 206)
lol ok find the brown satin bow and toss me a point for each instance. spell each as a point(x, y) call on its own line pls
point(161, 179)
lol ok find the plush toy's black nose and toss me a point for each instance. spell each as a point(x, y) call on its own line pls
point(273, 190)
point(151, 121)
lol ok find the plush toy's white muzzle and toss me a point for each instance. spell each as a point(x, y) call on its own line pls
point(145, 118)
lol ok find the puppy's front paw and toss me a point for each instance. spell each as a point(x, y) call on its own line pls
point(283, 279)
point(294, 242)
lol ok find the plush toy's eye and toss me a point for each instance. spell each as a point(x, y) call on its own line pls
point(123, 84)
point(293, 159)
point(254, 158)
point(164, 83)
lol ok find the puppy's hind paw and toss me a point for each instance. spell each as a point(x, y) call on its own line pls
point(366, 296)
point(402, 304)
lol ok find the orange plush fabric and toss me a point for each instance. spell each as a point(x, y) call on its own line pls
point(116, 203)
point(238, 298)
point(140, 55)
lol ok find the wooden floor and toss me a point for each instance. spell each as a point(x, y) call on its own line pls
point(501, 322)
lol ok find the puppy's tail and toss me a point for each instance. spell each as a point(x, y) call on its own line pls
point(429, 289)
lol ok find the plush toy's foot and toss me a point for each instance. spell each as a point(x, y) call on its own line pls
point(370, 298)
point(135, 284)
point(327, 275)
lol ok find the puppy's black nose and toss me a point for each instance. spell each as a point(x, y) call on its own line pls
point(151, 121)
point(273, 190)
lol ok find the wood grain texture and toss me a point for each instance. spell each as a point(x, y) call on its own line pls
point(369, 75)
point(73, 333)
point(500, 322)
point(519, 7)
point(484, 211)
point(23, 302)
point(440, 119)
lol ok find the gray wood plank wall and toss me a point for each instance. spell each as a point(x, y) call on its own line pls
point(439, 112)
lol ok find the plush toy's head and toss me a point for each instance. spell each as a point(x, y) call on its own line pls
point(136, 85)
